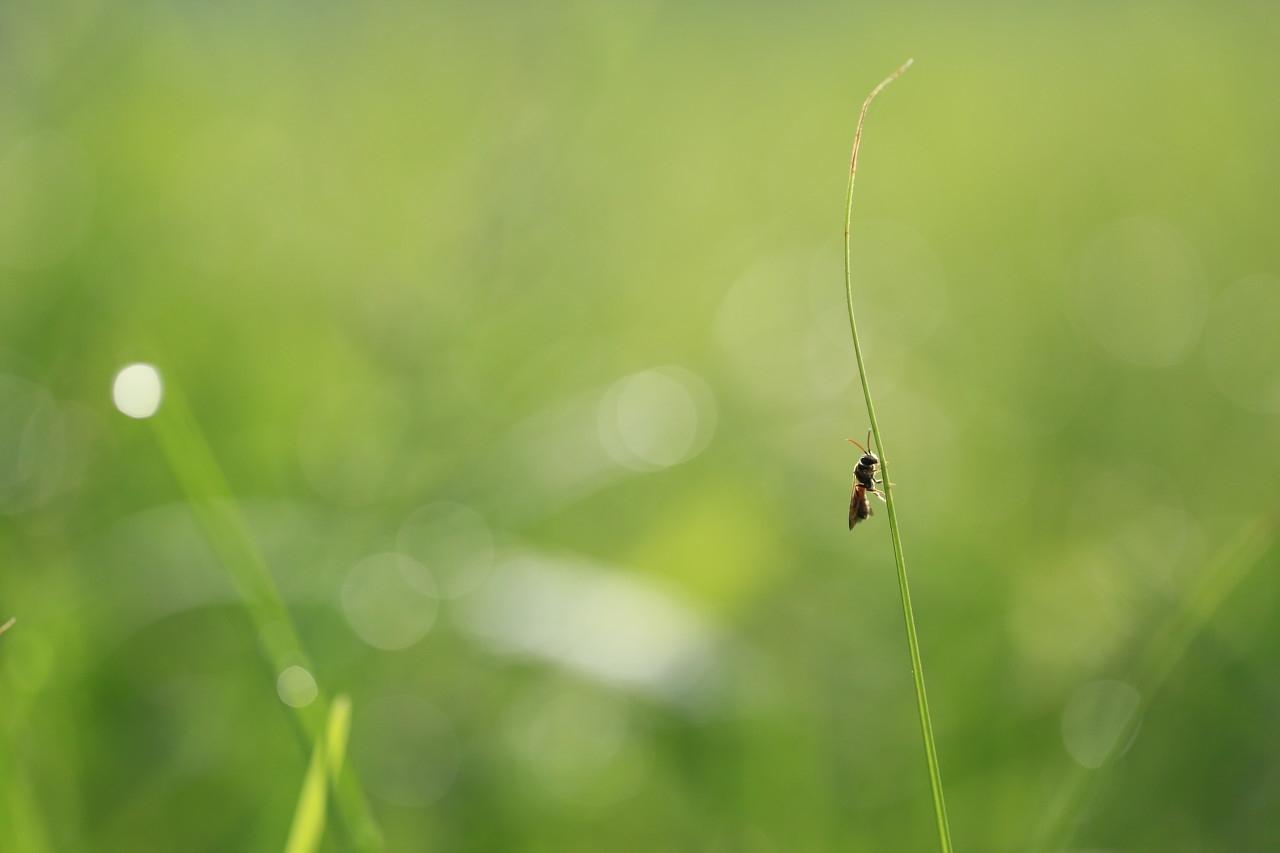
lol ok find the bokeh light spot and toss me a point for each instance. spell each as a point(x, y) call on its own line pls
point(578, 746)
point(37, 456)
point(656, 418)
point(389, 600)
point(778, 347)
point(784, 342)
point(616, 627)
point(408, 752)
point(1242, 344)
point(453, 542)
point(899, 281)
point(137, 390)
point(1070, 615)
point(297, 687)
point(1094, 720)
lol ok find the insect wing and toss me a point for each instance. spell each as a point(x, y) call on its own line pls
point(858, 506)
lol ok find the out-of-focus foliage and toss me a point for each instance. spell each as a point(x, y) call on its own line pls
point(517, 332)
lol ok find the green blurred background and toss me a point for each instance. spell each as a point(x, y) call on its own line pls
point(517, 333)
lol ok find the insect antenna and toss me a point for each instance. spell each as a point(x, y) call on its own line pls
point(855, 443)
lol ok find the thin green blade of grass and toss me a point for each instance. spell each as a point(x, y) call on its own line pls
point(337, 732)
point(1156, 660)
point(895, 535)
point(326, 764)
point(192, 463)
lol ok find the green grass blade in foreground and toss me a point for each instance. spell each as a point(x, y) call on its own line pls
point(326, 764)
point(913, 643)
point(191, 460)
point(1156, 659)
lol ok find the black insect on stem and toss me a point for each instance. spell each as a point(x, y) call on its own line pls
point(864, 481)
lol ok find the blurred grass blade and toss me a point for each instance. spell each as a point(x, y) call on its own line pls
point(913, 643)
point(7, 625)
point(191, 460)
point(1158, 657)
point(308, 817)
point(326, 763)
point(1170, 642)
point(336, 732)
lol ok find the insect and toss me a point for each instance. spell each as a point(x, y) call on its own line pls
point(864, 480)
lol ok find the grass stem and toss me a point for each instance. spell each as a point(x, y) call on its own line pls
point(913, 643)
point(200, 477)
point(325, 769)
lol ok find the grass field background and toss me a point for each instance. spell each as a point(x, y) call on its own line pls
point(509, 340)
